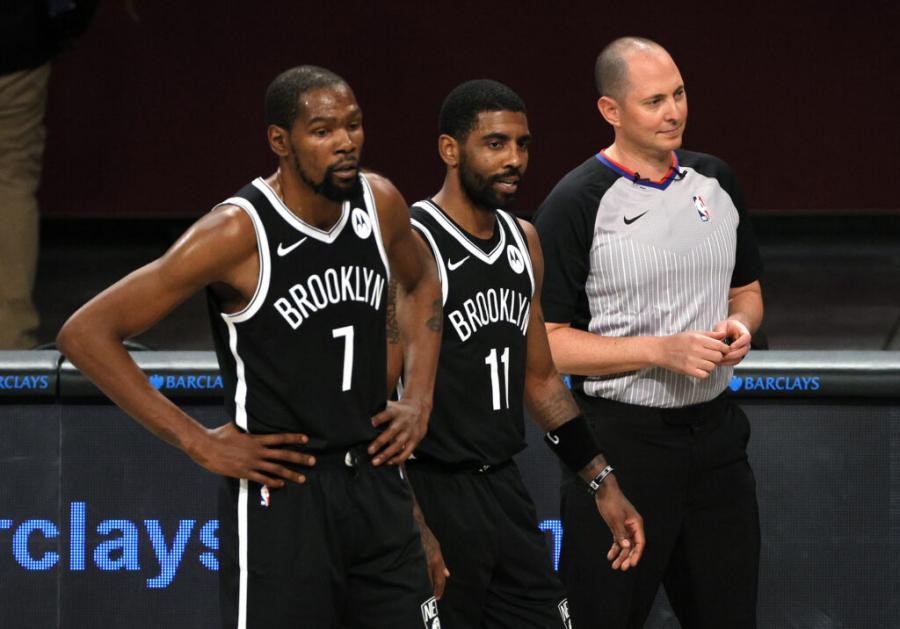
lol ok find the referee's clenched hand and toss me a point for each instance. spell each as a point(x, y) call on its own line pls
point(228, 451)
point(691, 353)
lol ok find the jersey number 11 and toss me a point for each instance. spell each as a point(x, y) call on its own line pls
point(491, 361)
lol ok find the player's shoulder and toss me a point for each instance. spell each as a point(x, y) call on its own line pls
point(383, 189)
point(419, 211)
point(527, 228)
point(583, 186)
point(227, 228)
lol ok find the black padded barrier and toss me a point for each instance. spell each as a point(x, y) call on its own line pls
point(103, 525)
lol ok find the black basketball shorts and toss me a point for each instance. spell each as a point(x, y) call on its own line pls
point(501, 574)
point(339, 551)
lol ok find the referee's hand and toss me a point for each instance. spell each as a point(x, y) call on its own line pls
point(692, 353)
point(624, 522)
point(228, 451)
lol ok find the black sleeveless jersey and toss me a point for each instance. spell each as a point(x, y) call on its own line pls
point(477, 416)
point(308, 353)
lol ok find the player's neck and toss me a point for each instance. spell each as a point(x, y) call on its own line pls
point(476, 220)
point(653, 165)
point(313, 209)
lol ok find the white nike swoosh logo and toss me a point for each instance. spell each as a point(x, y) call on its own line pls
point(283, 251)
point(455, 265)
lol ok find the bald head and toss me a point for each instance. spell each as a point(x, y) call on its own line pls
point(611, 67)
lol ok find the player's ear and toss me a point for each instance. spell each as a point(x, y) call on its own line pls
point(609, 109)
point(279, 140)
point(448, 149)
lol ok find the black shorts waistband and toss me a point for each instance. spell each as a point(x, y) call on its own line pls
point(352, 457)
point(433, 465)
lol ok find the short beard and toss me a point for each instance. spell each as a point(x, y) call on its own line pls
point(480, 190)
point(327, 187)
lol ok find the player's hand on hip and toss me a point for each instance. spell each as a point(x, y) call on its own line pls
point(738, 338)
point(228, 451)
point(692, 353)
point(625, 523)
point(407, 422)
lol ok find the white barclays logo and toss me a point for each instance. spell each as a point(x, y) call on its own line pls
point(775, 383)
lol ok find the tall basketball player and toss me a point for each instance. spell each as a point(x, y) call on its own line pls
point(315, 531)
point(494, 352)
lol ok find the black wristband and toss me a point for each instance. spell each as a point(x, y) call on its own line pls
point(573, 443)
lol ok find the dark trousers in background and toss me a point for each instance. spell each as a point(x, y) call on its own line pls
point(23, 98)
point(686, 471)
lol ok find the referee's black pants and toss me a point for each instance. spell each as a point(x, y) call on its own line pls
point(686, 471)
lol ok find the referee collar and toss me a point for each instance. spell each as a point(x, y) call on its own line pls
point(621, 170)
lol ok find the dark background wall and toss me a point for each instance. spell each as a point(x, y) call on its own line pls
point(162, 114)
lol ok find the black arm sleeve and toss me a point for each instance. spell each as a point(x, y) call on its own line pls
point(748, 266)
point(565, 224)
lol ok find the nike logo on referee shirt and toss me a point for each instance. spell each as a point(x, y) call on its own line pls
point(629, 221)
point(455, 265)
point(283, 251)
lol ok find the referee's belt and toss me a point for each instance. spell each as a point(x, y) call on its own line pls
point(433, 465)
point(693, 415)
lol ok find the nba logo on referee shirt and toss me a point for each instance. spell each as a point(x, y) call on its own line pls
point(360, 221)
point(264, 496)
point(702, 210)
point(430, 614)
point(564, 613)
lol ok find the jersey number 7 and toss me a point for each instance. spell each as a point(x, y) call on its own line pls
point(347, 333)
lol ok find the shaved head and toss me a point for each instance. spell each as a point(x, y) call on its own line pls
point(611, 67)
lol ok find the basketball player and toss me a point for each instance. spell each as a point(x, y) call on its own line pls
point(494, 352)
point(296, 268)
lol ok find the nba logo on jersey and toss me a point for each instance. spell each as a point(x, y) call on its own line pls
point(515, 258)
point(361, 224)
point(702, 210)
point(564, 613)
point(264, 496)
point(430, 614)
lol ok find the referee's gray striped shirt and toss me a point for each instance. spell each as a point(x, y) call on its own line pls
point(660, 261)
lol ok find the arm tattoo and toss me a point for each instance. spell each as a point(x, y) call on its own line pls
point(554, 409)
point(436, 322)
point(393, 329)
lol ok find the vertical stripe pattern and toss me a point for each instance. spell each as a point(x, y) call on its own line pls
point(666, 273)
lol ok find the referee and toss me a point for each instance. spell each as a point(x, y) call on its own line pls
point(651, 296)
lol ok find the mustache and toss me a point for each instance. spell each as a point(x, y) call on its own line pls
point(344, 163)
point(506, 174)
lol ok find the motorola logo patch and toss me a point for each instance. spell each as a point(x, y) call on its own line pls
point(515, 258)
point(362, 226)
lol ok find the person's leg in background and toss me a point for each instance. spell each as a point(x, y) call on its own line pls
point(23, 99)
